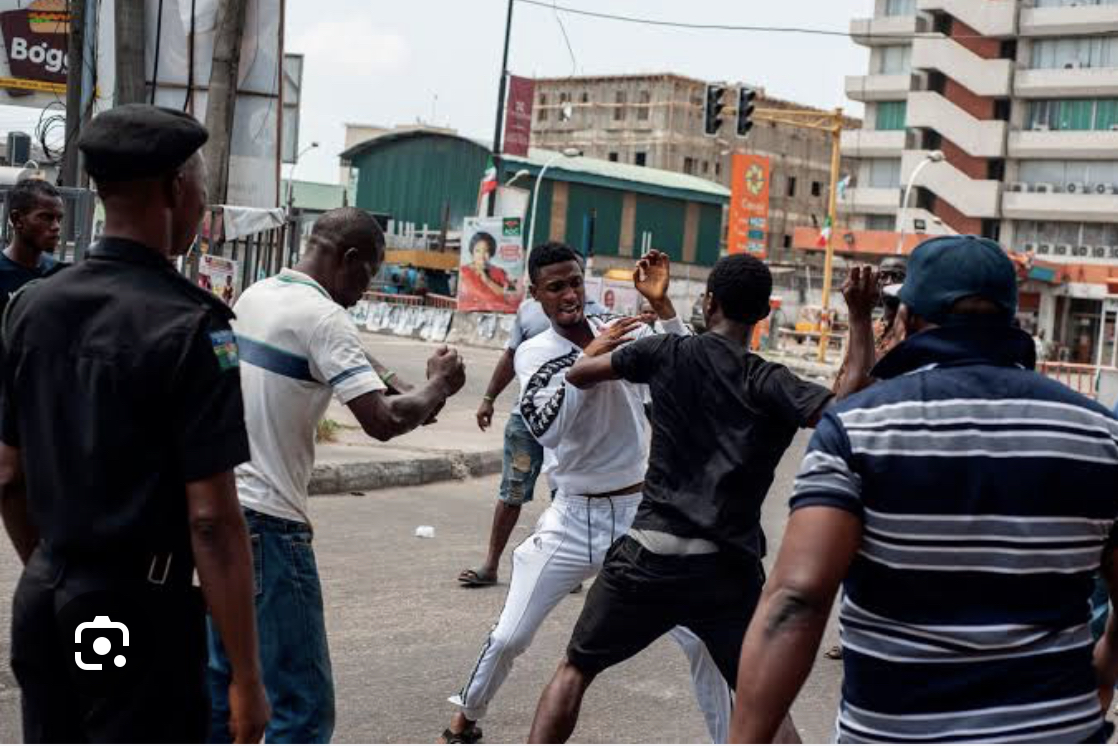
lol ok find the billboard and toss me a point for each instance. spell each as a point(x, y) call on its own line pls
point(749, 205)
point(33, 66)
point(518, 116)
point(491, 265)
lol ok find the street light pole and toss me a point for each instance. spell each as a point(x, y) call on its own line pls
point(934, 156)
point(291, 176)
point(566, 153)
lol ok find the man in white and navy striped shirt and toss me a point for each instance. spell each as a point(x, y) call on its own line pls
point(966, 503)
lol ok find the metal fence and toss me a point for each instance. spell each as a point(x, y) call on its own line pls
point(260, 255)
point(1080, 377)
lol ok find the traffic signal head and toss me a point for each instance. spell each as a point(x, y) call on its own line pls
point(712, 109)
point(745, 110)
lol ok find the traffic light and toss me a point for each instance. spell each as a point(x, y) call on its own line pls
point(745, 110)
point(712, 110)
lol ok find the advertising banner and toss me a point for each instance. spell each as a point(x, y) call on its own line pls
point(220, 276)
point(518, 116)
point(749, 205)
point(491, 266)
point(33, 68)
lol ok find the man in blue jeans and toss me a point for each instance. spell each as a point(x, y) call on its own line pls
point(298, 346)
point(523, 459)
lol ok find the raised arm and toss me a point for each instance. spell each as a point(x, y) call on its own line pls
point(652, 276)
point(861, 294)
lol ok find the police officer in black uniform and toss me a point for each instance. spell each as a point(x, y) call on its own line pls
point(120, 423)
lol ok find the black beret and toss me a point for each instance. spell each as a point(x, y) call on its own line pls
point(138, 141)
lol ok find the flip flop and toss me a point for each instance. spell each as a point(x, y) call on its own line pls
point(470, 735)
point(471, 579)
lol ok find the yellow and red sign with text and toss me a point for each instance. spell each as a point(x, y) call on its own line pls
point(749, 205)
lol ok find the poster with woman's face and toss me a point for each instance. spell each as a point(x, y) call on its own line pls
point(491, 267)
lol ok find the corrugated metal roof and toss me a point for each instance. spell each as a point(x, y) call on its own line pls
point(620, 171)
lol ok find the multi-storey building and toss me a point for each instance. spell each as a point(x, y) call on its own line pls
point(1021, 99)
point(657, 121)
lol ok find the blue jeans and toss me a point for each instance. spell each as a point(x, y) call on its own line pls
point(522, 463)
point(294, 656)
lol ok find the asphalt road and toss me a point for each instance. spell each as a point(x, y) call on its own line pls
point(403, 635)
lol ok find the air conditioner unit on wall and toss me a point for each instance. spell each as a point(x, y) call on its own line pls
point(1076, 188)
point(1112, 252)
point(1081, 251)
point(1100, 188)
point(1062, 249)
point(1044, 249)
point(1030, 248)
point(1018, 186)
point(1043, 188)
point(1099, 252)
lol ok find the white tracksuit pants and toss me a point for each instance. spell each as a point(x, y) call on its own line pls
point(567, 547)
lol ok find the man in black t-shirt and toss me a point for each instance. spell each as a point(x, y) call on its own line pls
point(723, 419)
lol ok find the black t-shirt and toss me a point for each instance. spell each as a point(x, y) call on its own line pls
point(120, 385)
point(722, 419)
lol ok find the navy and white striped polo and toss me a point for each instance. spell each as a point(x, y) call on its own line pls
point(987, 493)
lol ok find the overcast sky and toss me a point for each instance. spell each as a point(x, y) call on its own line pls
point(392, 62)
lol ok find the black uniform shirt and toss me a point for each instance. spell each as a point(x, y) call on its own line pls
point(120, 386)
point(721, 421)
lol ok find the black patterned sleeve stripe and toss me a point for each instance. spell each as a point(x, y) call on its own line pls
point(541, 418)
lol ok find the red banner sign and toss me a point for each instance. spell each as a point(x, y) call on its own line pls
point(518, 116)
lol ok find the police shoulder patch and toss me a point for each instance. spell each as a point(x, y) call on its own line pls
point(225, 348)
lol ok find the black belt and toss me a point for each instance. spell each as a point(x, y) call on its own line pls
point(155, 568)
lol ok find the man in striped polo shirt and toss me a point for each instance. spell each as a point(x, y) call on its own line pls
point(965, 503)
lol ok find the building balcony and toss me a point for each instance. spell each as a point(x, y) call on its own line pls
point(884, 30)
point(1083, 82)
point(1089, 207)
point(997, 18)
point(871, 200)
point(974, 198)
point(1068, 21)
point(873, 143)
point(1064, 144)
point(989, 78)
point(978, 137)
point(878, 87)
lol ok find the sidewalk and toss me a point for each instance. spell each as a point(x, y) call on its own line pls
point(452, 448)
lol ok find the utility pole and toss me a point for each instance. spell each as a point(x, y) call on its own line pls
point(497, 133)
point(129, 27)
point(831, 123)
point(71, 167)
point(222, 100)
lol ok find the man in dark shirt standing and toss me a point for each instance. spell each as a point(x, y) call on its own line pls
point(723, 419)
point(120, 424)
point(35, 211)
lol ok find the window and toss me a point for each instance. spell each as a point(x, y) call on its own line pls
point(619, 110)
point(884, 173)
point(891, 115)
point(1072, 52)
point(787, 241)
point(816, 189)
point(613, 156)
point(791, 186)
point(542, 115)
point(688, 165)
point(1074, 234)
point(564, 107)
point(900, 7)
point(1071, 3)
point(1073, 114)
point(1061, 173)
point(881, 223)
point(585, 97)
point(894, 60)
point(717, 168)
point(640, 158)
point(706, 167)
point(646, 106)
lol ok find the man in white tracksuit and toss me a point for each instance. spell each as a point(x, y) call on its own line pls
point(596, 454)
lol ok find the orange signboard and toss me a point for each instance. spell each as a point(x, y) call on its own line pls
point(749, 205)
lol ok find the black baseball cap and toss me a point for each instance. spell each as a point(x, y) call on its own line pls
point(947, 269)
